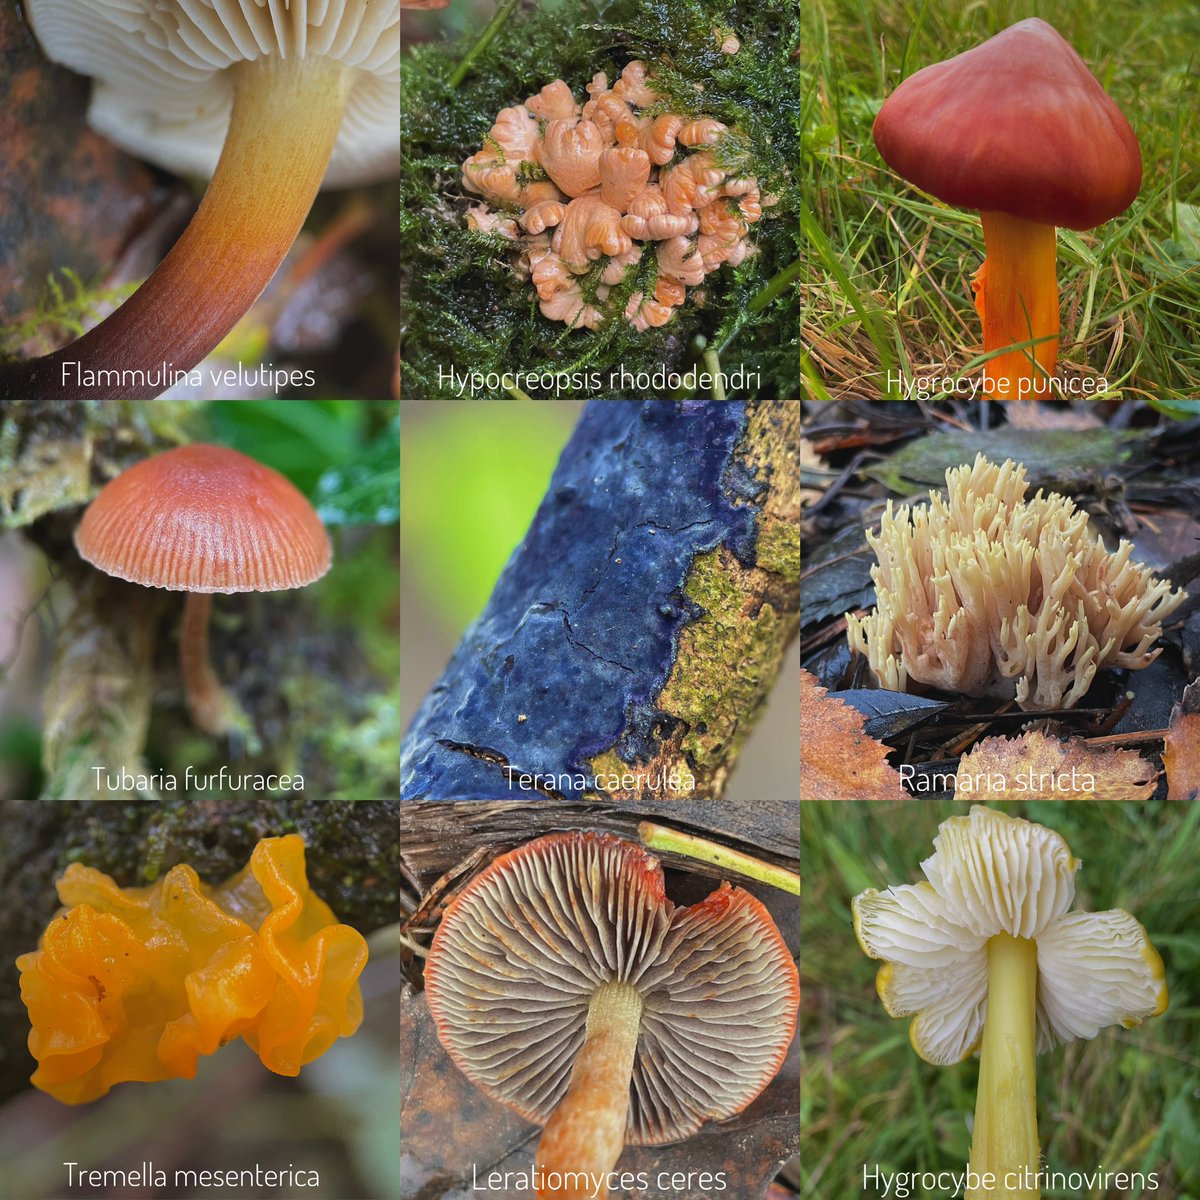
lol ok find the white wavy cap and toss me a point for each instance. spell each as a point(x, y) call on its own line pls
point(161, 87)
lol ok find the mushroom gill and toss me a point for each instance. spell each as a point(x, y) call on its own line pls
point(987, 593)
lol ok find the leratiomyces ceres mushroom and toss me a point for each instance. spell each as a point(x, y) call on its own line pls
point(565, 984)
point(270, 97)
point(986, 956)
point(203, 519)
point(989, 593)
point(1018, 128)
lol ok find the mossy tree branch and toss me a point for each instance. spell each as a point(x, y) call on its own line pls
point(634, 636)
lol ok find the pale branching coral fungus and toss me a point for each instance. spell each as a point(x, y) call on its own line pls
point(135, 984)
point(988, 593)
point(606, 177)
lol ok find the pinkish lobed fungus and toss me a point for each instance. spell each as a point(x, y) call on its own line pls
point(585, 191)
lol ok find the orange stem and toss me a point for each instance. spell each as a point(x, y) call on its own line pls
point(1016, 296)
point(206, 699)
point(284, 122)
point(585, 1136)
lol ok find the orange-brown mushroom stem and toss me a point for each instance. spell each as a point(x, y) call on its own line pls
point(585, 1136)
point(285, 119)
point(1016, 296)
point(210, 707)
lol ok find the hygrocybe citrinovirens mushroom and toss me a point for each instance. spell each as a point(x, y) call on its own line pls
point(986, 957)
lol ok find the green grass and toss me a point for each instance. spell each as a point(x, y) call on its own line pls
point(886, 277)
point(1125, 1100)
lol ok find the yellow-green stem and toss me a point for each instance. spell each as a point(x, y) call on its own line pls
point(1016, 296)
point(1005, 1143)
point(586, 1133)
point(284, 122)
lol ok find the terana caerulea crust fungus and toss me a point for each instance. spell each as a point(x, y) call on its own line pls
point(582, 630)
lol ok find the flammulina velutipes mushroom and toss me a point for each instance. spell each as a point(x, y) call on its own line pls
point(986, 957)
point(583, 191)
point(565, 984)
point(271, 98)
point(990, 593)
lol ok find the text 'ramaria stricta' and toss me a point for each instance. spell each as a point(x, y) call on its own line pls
point(614, 194)
point(989, 594)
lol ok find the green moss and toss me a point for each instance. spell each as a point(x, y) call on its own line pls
point(467, 308)
point(778, 548)
point(726, 664)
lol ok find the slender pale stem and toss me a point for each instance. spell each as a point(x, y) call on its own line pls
point(1016, 296)
point(586, 1134)
point(1005, 1142)
point(284, 122)
point(206, 699)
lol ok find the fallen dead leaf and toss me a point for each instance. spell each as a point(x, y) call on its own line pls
point(1181, 755)
point(838, 761)
point(810, 458)
point(1035, 767)
point(1034, 414)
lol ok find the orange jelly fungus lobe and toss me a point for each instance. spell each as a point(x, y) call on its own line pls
point(135, 984)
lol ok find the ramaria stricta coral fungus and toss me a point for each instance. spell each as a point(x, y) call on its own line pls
point(988, 593)
point(136, 984)
point(584, 191)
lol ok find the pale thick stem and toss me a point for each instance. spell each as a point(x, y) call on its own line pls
point(1016, 296)
point(586, 1134)
point(1005, 1142)
point(285, 119)
point(206, 699)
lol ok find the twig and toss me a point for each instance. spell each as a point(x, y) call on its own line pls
point(663, 837)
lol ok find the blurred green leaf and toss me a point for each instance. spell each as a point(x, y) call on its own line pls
point(472, 476)
point(365, 490)
point(302, 439)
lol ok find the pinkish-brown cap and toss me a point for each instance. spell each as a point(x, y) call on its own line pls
point(204, 519)
point(1016, 125)
point(521, 950)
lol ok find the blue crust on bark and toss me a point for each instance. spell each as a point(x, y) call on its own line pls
point(582, 629)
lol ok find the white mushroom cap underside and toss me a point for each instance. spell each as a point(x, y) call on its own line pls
point(992, 874)
point(162, 90)
point(518, 957)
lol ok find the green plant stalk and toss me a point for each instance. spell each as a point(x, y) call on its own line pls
point(482, 43)
point(662, 837)
point(712, 364)
point(1005, 1143)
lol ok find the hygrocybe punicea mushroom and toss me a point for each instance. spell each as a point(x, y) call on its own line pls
point(270, 98)
point(987, 957)
point(567, 986)
point(203, 519)
point(1018, 128)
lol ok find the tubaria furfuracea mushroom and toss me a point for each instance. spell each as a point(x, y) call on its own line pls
point(602, 197)
point(565, 984)
point(986, 956)
point(987, 593)
point(272, 99)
